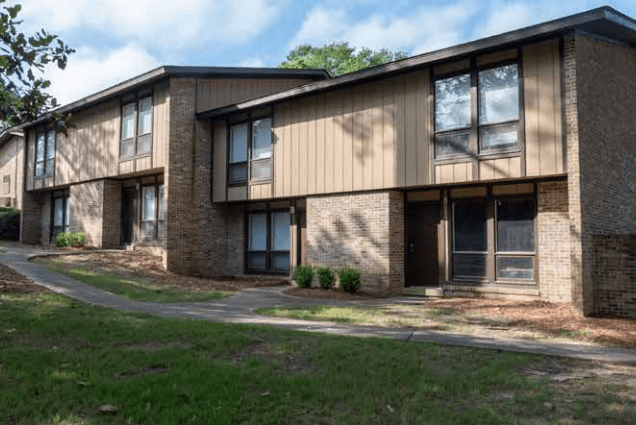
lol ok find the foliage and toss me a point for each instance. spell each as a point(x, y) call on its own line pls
point(303, 276)
point(326, 277)
point(350, 279)
point(9, 224)
point(338, 58)
point(22, 91)
point(75, 239)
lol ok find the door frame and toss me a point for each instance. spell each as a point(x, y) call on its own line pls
point(441, 239)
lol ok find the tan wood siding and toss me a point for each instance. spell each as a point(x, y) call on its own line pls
point(127, 167)
point(373, 137)
point(30, 159)
point(219, 161)
point(261, 191)
point(454, 173)
point(160, 125)
point(237, 193)
point(500, 168)
point(542, 98)
point(214, 93)
point(143, 164)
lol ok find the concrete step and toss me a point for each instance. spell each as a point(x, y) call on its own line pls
point(424, 291)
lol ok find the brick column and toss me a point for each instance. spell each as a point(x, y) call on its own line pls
point(30, 225)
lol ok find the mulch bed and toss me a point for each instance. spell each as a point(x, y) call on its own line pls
point(11, 281)
point(553, 319)
point(142, 264)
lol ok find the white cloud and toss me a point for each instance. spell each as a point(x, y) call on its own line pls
point(252, 63)
point(424, 29)
point(321, 26)
point(89, 71)
point(167, 24)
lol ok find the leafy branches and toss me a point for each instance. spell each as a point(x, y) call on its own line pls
point(338, 58)
point(23, 59)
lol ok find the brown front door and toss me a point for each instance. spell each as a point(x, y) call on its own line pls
point(422, 266)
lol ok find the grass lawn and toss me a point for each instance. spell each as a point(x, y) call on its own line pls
point(60, 360)
point(392, 316)
point(135, 288)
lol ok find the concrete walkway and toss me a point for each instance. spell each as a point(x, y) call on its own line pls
point(239, 309)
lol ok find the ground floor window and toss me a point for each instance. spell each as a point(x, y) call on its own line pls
point(268, 241)
point(494, 239)
point(61, 214)
point(152, 211)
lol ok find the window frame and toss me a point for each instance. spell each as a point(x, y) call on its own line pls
point(66, 214)
point(474, 142)
point(492, 253)
point(269, 251)
point(249, 180)
point(156, 222)
point(136, 138)
point(45, 132)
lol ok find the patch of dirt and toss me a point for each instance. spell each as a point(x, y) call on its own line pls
point(150, 267)
point(551, 319)
point(11, 281)
point(148, 370)
point(329, 294)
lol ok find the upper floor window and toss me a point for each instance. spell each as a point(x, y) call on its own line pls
point(136, 128)
point(477, 112)
point(250, 151)
point(45, 153)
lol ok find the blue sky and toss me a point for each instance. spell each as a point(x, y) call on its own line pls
point(118, 39)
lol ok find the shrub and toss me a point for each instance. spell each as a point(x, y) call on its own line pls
point(349, 279)
point(75, 239)
point(303, 276)
point(9, 224)
point(326, 277)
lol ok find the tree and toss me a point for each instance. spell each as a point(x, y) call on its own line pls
point(23, 58)
point(338, 58)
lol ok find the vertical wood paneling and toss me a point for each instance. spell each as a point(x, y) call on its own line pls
point(219, 159)
point(423, 129)
point(142, 164)
point(312, 167)
point(288, 153)
point(410, 131)
point(126, 167)
point(334, 119)
point(323, 127)
point(279, 152)
point(500, 168)
point(388, 135)
point(347, 146)
point(400, 139)
point(295, 155)
point(302, 147)
point(358, 141)
point(214, 93)
point(542, 98)
point(377, 135)
point(160, 125)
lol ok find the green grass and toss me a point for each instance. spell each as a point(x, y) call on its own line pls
point(60, 360)
point(137, 289)
point(392, 316)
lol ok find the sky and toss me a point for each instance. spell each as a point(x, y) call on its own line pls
point(118, 39)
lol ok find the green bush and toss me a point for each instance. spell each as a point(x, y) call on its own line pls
point(9, 224)
point(349, 279)
point(326, 277)
point(75, 239)
point(303, 276)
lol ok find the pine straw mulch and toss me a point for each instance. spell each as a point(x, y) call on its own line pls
point(142, 264)
point(551, 319)
point(11, 281)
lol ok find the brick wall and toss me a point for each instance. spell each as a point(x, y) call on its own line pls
point(553, 252)
point(46, 205)
point(30, 225)
point(86, 208)
point(362, 230)
point(111, 225)
point(606, 101)
point(182, 230)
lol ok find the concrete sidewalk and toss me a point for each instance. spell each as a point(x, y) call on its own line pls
point(239, 309)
